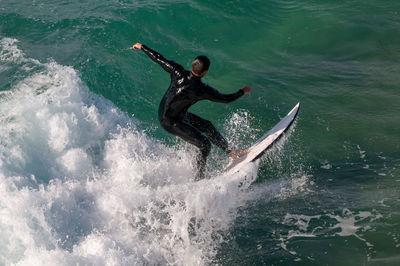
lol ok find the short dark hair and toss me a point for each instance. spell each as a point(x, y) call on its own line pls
point(200, 64)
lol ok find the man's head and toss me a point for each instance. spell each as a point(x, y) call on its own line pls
point(200, 65)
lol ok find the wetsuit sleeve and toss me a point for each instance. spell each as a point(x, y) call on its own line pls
point(168, 65)
point(215, 96)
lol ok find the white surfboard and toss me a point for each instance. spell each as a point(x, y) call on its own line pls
point(264, 143)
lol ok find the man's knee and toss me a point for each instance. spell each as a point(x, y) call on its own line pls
point(207, 124)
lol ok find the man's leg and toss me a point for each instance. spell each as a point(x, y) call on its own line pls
point(212, 133)
point(208, 128)
point(193, 136)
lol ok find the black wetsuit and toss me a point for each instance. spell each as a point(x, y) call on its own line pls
point(185, 90)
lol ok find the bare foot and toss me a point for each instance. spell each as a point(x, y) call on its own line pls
point(237, 153)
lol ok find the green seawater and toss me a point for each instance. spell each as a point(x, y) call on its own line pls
point(331, 189)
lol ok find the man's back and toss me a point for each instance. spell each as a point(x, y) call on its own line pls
point(185, 89)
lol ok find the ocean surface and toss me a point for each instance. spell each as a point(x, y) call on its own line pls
point(88, 176)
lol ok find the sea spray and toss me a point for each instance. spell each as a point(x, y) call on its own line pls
point(82, 184)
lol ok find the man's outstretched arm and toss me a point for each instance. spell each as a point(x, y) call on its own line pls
point(215, 96)
point(168, 65)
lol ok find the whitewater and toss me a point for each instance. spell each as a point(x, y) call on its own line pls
point(82, 183)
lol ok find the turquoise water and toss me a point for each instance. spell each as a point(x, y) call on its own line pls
point(88, 176)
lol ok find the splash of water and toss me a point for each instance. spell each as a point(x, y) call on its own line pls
point(80, 182)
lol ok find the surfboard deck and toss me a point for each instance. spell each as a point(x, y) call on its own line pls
point(264, 143)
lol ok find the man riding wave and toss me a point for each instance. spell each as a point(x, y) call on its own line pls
point(186, 89)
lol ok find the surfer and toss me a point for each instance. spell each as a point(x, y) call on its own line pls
point(186, 89)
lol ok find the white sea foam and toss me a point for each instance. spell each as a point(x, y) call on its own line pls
point(81, 184)
point(344, 224)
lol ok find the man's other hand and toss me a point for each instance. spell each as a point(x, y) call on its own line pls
point(246, 89)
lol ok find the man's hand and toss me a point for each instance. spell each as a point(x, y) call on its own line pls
point(246, 89)
point(137, 46)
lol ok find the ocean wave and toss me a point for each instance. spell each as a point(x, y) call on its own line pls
point(82, 184)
